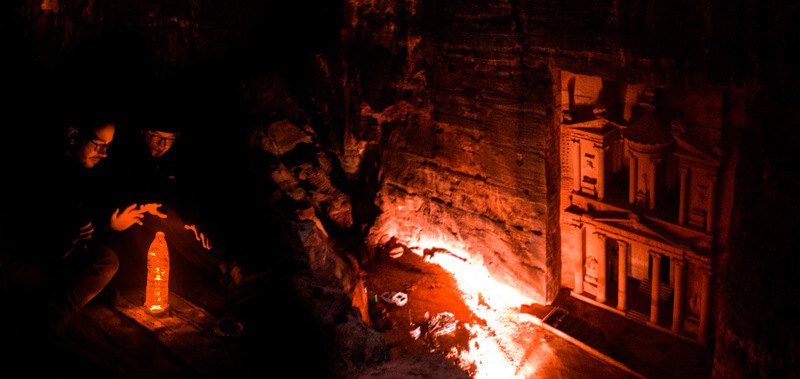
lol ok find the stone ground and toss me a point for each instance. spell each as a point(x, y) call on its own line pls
point(122, 340)
point(526, 349)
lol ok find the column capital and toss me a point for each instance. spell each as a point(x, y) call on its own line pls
point(683, 170)
point(622, 243)
point(600, 236)
point(576, 226)
point(654, 253)
point(678, 262)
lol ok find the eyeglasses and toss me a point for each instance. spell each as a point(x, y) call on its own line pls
point(157, 139)
point(100, 147)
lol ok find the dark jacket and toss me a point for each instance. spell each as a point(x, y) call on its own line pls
point(48, 205)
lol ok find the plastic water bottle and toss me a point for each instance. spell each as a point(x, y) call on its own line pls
point(157, 291)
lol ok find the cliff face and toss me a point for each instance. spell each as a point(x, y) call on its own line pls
point(461, 127)
point(759, 298)
point(458, 107)
point(441, 118)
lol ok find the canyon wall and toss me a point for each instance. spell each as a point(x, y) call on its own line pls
point(460, 105)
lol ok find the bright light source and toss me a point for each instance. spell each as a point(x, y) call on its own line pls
point(506, 346)
point(157, 291)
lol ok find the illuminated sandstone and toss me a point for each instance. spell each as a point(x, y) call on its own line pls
point(640, 197)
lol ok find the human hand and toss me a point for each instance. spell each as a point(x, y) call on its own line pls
point(152, 208)
point(123, 220)
point(84, 233)
point(199, 236)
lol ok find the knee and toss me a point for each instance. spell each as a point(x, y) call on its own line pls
point(106, 261)
point(111, 263)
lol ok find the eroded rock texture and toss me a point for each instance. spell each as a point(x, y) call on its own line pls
point(756, 335)
point(456, 123)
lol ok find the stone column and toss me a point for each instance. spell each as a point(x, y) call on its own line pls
point(679, 296)
point(602, 268)
point(632, 178)
point(655, 289)
point(576, 165)
point(579, 264)
point(705, 306)
point(622, 286)
point(601, 171)
point(683, 207)
point(651, 183)
point(712, 201)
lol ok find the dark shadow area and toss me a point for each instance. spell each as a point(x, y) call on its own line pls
point(112, 74)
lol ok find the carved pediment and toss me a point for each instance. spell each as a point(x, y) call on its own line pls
point(631, 223)
point(688, 152)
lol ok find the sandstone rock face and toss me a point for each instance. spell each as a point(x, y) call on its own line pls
point(459, 98)
point(330, 283)
point(461, 103)
point(758, 335)
point(333, 291)
point(460, 124)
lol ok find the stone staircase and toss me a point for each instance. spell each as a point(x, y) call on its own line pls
point(584, 332)
point(665, 291)
point(638, 316)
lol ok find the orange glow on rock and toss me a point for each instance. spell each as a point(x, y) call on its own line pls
point(505, 344)
point(473, 278)
point(157, 291)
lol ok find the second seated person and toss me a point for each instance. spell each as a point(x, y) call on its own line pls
point(149, 170)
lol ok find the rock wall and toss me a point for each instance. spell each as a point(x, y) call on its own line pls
point(459, 104)
point(459, 125)
point(759, 298)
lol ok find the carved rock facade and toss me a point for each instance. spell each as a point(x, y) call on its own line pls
point(644, 188)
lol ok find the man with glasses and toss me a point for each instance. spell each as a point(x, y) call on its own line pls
point(159, 142)
point(54, 256)
point(150, 170)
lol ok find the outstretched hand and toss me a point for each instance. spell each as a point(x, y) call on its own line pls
point(123, 220)
point(152, 208)
point(199, 236)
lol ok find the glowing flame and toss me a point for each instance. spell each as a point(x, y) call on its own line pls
point(507, 346)
point(157, 291)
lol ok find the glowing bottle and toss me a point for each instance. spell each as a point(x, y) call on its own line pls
point(156, 298)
